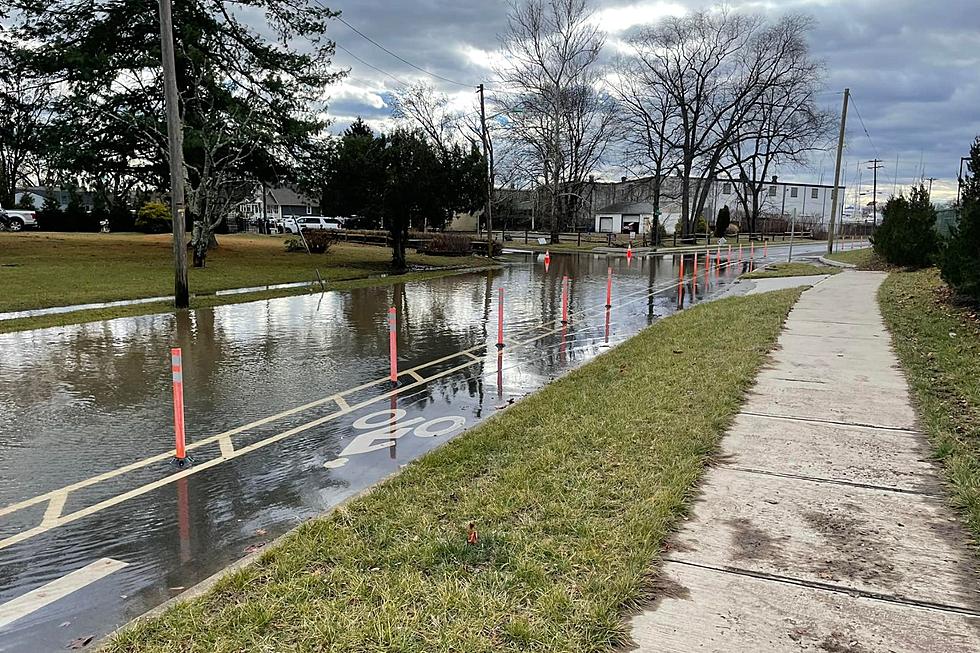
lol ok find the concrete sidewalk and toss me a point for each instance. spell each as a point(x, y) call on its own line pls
point(824, 527)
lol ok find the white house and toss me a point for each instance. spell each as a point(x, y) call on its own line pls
point(625, 217)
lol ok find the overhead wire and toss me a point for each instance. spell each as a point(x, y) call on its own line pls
point(402, 59)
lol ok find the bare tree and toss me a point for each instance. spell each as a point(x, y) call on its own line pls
point(25, 109)
point(648, 127)
point(783, 128)
point(556, 115)
point(717, 66)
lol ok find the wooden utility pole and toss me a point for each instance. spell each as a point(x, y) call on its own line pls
point(488, 156)
point(930, 180)
point(835, 194)
point(175, 139)
point(876, 164)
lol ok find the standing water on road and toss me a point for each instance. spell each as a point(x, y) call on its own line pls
point(288, 412)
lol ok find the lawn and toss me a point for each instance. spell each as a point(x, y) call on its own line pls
point(39, 270)
point(939, 346)
point(790, 270)
point(864, 259)
point(574, 491)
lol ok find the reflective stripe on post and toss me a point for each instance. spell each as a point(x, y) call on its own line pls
point(564, 299)
point(609, 288)
point(393, 342)
point(500, 320)
point(177, 368)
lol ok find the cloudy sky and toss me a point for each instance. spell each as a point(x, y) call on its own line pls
point(913, 68)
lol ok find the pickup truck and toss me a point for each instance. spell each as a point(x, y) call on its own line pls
point(12, 220)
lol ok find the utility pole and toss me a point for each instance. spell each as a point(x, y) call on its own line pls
point(876, 164)
point(834, 195)
point(488, 155)
point(175, 140)
point(959, 179)
point(930, 180)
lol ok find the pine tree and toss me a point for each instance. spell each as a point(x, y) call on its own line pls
point(960, 259)
point(907, 235)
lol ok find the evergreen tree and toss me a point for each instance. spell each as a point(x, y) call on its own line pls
point(960, 260)
point(907, 235)
point(723, 220)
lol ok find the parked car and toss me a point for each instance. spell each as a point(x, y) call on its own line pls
point(16, 220)
point(293, 225)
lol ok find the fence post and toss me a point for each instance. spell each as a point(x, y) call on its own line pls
point(579, 234)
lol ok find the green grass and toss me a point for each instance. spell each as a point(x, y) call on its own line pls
point(939, 346)
point(864, 259)
point(573, 490)
point(790, 270)
point(39, 270)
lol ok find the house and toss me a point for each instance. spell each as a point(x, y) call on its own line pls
point(38, 195)
point(808, 202)
point(625, 218)
point(280, 203)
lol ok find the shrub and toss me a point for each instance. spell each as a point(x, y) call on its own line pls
point(959, 262)
point(907, 235)
point(319, 241)
point(447, 245)
point(121, 218)
point(722, 221)
point(154, 218)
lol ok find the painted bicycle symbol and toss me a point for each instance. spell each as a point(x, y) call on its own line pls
point(384, 427)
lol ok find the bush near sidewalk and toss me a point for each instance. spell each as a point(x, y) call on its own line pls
point(573, 490)
point(939, 346)
point(907, 235)
point(960, 259)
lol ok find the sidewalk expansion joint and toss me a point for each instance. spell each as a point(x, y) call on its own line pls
point(817, 420)
point(829, 587)
point(832, 481)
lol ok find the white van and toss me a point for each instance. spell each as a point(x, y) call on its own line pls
point(293, 225)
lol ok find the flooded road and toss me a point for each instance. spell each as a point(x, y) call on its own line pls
point(288, 412)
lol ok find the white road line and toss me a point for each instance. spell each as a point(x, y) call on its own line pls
point(39, 597)
point(55, 506)
point(227, 448)
point(415, 375)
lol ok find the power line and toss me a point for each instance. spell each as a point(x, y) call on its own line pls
point(400, 58)
point(370, 65)
point(858, 111)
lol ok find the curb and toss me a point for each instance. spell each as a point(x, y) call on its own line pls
point(836, 264)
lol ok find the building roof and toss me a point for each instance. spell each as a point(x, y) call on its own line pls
point(289, 197)
point(628, 208)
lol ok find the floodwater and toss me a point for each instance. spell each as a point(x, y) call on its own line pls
point(287, 410)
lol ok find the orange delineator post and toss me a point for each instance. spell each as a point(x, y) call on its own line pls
point(740, 255)
point(564, 299)
point(500, 320)
point(177, 367)
point(695, 265)
point(393, 343)
point(752, 250)
point(609, 288)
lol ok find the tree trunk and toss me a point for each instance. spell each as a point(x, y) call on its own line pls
point(399, 234)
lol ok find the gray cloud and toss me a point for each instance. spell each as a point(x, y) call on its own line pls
point(911, 66)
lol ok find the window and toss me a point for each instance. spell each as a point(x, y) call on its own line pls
point(606, 224)
point(726, 189)
point(814, 193)
point(794, 191)
point(772, 191)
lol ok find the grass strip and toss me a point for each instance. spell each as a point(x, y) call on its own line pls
point(573, 490)
point(939, 346)
point(864, 259)
point(790, 270)
point(42, 269)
